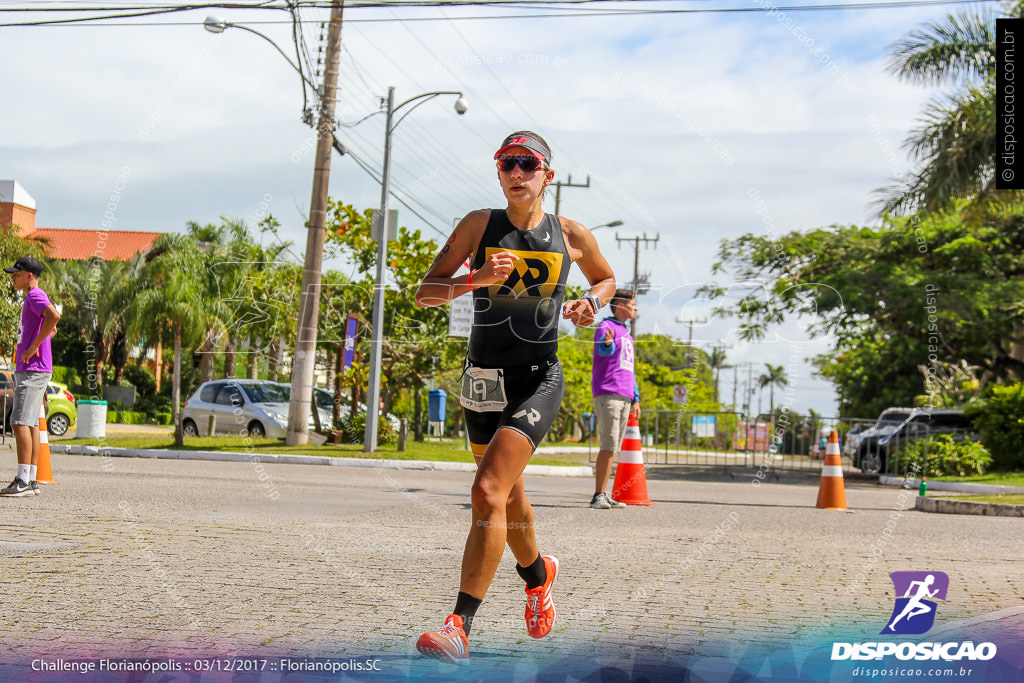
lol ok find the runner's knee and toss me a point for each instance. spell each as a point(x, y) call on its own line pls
point(488, 496)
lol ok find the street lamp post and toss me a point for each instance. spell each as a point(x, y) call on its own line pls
point(377, 332)
point(304, 357)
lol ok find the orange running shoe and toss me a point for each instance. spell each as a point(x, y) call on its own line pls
point(449, 643)
point(540, 608)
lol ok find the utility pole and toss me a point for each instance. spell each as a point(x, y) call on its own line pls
point(636, 267)
point(558, 190)
point(304, 358)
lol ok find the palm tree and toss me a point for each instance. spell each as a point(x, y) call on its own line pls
point(956, 139)
point(716, 361)
point(774, 377)
point(175, 304)
point(99, 293)
point(235, 268)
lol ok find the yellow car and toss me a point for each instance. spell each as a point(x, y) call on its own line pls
point(62, 409)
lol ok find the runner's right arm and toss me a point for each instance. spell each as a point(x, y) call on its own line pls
point(439, 286)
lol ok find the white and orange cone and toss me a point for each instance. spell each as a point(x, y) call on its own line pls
point(630, 486)
point(44, 471)
point(831, 491)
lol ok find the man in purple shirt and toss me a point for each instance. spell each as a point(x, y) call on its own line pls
point(33, 367)
point(616, 393)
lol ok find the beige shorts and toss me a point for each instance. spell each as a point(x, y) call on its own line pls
point(612, 415)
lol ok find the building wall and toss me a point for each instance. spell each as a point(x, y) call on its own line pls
point(22, 216)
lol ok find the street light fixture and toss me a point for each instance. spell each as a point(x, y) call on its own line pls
point(377, 332)
point(613, 224)
point(219, 25)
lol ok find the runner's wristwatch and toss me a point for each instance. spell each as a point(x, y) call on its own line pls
point(594, 301)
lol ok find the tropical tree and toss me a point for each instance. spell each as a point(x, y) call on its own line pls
point(920, 290)
point(415, 343)
point(174, 305)
point(252, 288)
point(716, 361)
point(774, 377)
point(955, 142)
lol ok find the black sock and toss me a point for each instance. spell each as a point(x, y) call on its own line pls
point(534, 575)
point(466, 606)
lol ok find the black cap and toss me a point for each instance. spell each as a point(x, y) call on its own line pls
point(529, 140)
point(27, 264)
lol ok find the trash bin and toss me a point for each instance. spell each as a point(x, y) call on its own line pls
point(435, 405)
point(92, 420)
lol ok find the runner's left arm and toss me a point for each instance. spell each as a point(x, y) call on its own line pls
point(584, 251)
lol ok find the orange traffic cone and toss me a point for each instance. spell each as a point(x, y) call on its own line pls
point(44, 472)
point(630, 485)
point(831, 492)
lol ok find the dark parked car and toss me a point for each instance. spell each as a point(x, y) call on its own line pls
point(875, 451)
point(887, 421)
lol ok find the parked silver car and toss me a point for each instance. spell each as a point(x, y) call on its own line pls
point(241, 406)
point(325, 401)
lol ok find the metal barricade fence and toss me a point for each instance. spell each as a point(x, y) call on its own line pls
point(728, 439)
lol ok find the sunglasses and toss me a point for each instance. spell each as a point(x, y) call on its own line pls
point(527, 162)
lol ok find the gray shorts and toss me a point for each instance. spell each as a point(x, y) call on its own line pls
point(29, 390)
point(612, 415)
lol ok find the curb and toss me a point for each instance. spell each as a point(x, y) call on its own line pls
point(967, 507)
point(289, 459)
point(955, 486)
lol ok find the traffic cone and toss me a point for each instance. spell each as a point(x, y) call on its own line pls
point(630, 484)
point(44, 472)
point(831, 491)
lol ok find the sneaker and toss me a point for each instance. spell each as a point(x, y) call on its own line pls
point(540, 608)
point(16, 489)
point(600, 501)
point(34, 485)
point(615, 503)
point(449, 643)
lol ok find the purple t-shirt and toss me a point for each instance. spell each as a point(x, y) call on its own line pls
point(613, 373)
point(36, 302)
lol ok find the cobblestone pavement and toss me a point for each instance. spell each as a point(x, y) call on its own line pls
point(135, 557)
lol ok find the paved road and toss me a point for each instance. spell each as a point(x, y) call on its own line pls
point(135, 557)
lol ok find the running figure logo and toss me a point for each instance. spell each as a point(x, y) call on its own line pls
point(914, 612)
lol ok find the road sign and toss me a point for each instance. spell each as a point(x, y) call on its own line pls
point(460, 316)
point(704, 426)
point(679, 394)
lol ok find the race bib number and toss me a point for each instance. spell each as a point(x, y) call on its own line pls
point(626, 356)
point(483, 390)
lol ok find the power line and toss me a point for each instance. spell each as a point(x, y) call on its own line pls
point(549, 14)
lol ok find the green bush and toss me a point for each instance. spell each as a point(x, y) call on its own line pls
point(1000, 421)
point(125, 417)
point(163, 418)
point(153, 406)
point(354, 426)
point(141, 378)
point(65, 375)
point(945, 457)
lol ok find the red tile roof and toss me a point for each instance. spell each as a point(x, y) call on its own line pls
point(80, 245)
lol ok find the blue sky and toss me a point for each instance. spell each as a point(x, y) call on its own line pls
point(677, 119)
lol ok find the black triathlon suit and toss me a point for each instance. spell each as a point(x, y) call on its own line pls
point(515, 329)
